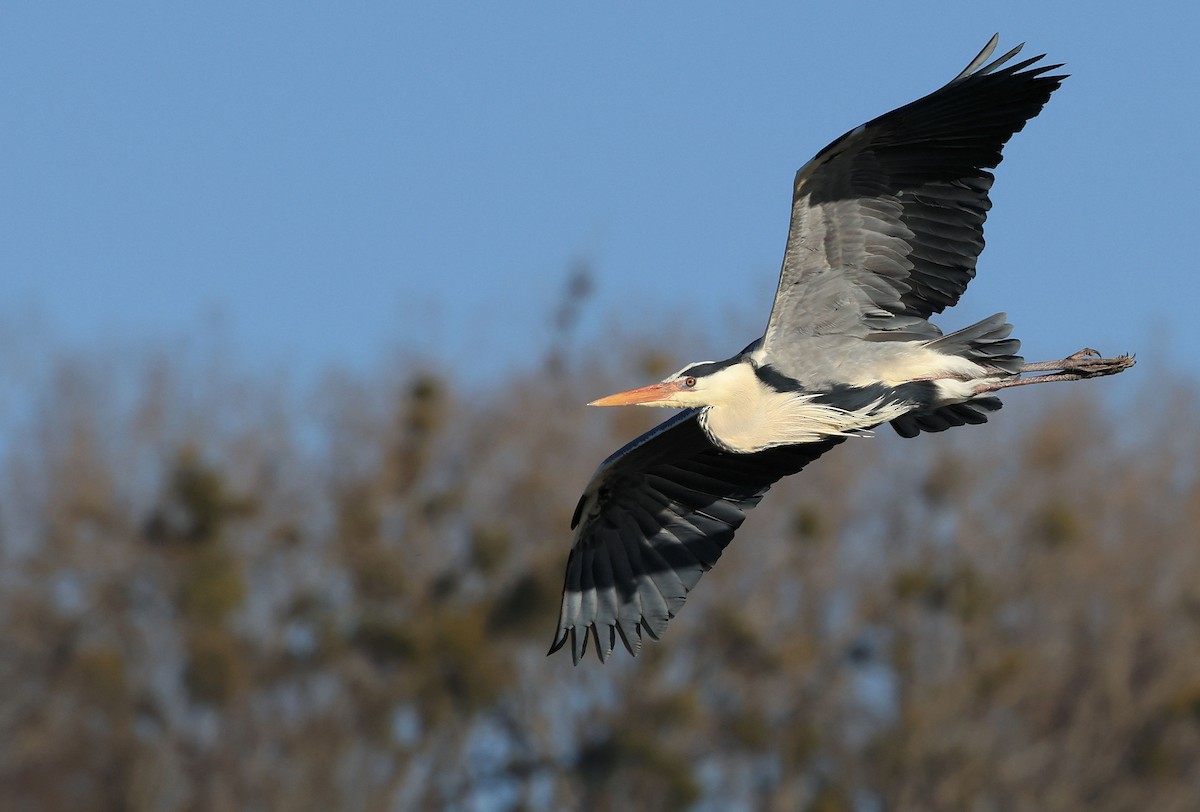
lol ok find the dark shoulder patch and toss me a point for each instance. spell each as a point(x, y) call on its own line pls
point(918, 393)
point(775, 379)
point(852, 398)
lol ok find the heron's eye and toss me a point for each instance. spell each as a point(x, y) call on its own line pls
point(689, 381)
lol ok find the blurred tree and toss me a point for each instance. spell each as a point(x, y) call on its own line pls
point(216, 595)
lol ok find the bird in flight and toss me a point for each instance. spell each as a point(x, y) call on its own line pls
point(886, 228)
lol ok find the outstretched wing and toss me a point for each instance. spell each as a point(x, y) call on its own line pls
point(655, 517)
point(887, 221)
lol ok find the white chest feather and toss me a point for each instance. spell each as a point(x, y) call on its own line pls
point(754, 416)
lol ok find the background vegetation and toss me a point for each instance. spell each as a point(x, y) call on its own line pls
point(215, 594)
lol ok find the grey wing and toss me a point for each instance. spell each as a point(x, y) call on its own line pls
point(887, 221)
point(655, 517)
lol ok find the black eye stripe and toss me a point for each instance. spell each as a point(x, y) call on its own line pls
point(704, 368)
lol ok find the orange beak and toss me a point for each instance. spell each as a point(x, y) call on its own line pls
point(643, 395)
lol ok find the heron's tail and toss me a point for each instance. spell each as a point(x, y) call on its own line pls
point(986, 342)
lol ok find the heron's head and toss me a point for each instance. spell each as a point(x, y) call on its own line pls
point(707, 383)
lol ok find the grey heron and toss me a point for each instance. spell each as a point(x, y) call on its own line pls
point(886, 227)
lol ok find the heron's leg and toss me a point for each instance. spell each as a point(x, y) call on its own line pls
point(1086, 363)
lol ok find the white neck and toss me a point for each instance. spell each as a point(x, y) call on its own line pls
point(746, 415)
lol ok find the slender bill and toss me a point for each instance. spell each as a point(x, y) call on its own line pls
point(653, 393)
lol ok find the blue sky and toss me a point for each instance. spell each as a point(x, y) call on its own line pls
point(332, 183)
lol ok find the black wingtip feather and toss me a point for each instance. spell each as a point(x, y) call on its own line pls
point(578, 644)
point(593, 631)
point(559, 641)
point(632, 649)
point(995, 63)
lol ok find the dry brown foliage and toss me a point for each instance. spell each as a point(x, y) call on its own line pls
point(217, 596)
